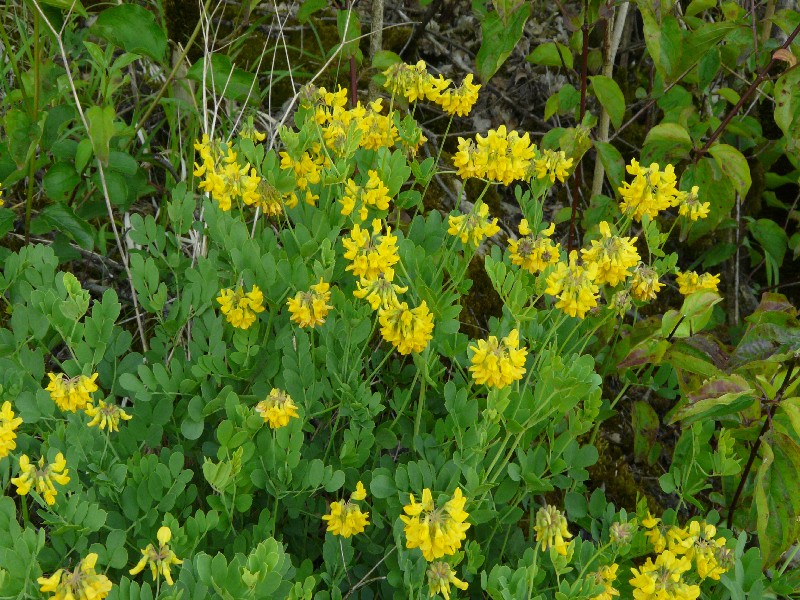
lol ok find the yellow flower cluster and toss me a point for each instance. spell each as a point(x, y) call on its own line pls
point(498, 363)
point(309, 309)
point(534, 253)
point(240, 307)
point(651, 191)
point(689, 205)
point(106, 415)
point(612, 256)
point(380, 292)
point(346, 518)
point(440, 577)
point(249, 132)
point(644, 283)
point(552, 165)
point(83, 583)
point(415, 83)
point(374, 194)
point(42, 479)
point(551, 529)
point(473, 227)
point(371, 254)
point(408, 330)
point(503, 156)
point(277, 409)
point(71, 394)
point(307, 170)
point(159, 559)
point(663, 579)
point(8, 429)
point(574, 286)
point(690, 282)
point(606, 577)
point(2, 202)
point(223, 176)
point(437, 532)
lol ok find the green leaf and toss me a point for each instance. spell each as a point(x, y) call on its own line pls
point(645, 430)
point(717, 397)
point(349, 31)
point(499, 39)
point(225, 79)
point(666, 143)
point(787, 100)
point(308, 8)
point(62, 218)
point(671, 46)
point(776, 498)
point(60, 180)
point(698, 6)
point(734, 165)
point(612, 162)
point(132, 28)
point(551, 54)
point(610, 97)
point(771, 236)
point(23, 135)
point(101, 130)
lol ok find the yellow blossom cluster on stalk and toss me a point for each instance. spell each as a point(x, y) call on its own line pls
point(690, 282)
point(346, 518)
point(359, 199)
point(474, 226)
point(574, 286)
point(82, 583)
point(71, 394)
point(440, 577)
point(307, 171)
point(651, 191)
point(160, 559)
point(380, 292)
point(644, 283)
point(407, 329)
point(9, 423)
point(277, 409)
point(371, 254)
point(498, 363)
point(437, 532)
point(551, 529)
point(552, 165)
point(41, 478)
point(612, 256)
point(534, 253)
point(502, 156)
point(309, 309)
point(606, 576)
point(690, 205)
point(106, 415)
point(239, 307)
point(413, 82)
point(224, 177)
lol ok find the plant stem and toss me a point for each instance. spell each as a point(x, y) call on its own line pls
point(37, 46)
point(576, 181)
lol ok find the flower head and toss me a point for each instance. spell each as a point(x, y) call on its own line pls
point(613, 256)
point(498, 363)
point(605, 577)
point(159, 559)
point(310, 308)
point(663, 579)
point(240, 307)
point(346, 518)
point(574, 286)
point(644, 283)
point(473, 227)
point(277, 409)
point(440, 576)
point(503, 155)
point(552, 165)
point(380, 292)
point(414, 82)
point(371, 254)
point(82, 583)
point(459, 101)
point(8, 429)
point(689, 205)
point(690, 282)
point(71, 394)
point(534, 253)
point(374, 194)
point(106, 415)
point(41, 478)
point(551, 529)
point(407, 329)
point(650, 192)
point(437, 532)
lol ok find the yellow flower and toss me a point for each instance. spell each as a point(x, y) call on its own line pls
point(380, 292)
point(551, 165)
point(377, 130)
point(503, 155)
point(42, 479)
point(534, 253)
point(240, 307)
point(414, 82)
point(551, 529)
point(374, 194)
point(440, 576)
point(310, 308)
point(8, 429)
point(498, 363)
point(408, 330)
point(613, 256)
point(371, 255)
point(437, 532)
point(473, 227)
point(662, 580)
point(71, 394)
point(650, 192)
point(606, 577)
point(464, 159)
point(160, 560)
point(277, 409)
point(690, 282)
point(346, 518)
point(656, 532)
point(706, 550)
point(689, 205)
point(306, 170)
point(268, 199)
point(459, 101)
point(644, 283)
point(83, 583)
point(2, 202)
point(106, 415)
point(574, 286)
point(249, 132)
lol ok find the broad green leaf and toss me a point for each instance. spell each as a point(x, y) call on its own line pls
point(551, 54)
point(698, 6)
point(62, 218)
point(613, 163)
point(132, 28)
point(349, 31)
point(771, 236)
point(787, 100)
point(23, 134)
point(499, 39)
point(666, 143)
point(734, 165)
point(715, 188)
point(645, 430)
point(309, 7)
point(225, 79)
point(101, 130)
point(671, 46)
point(60, 180)
point(715, 398)
point(610, 97)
